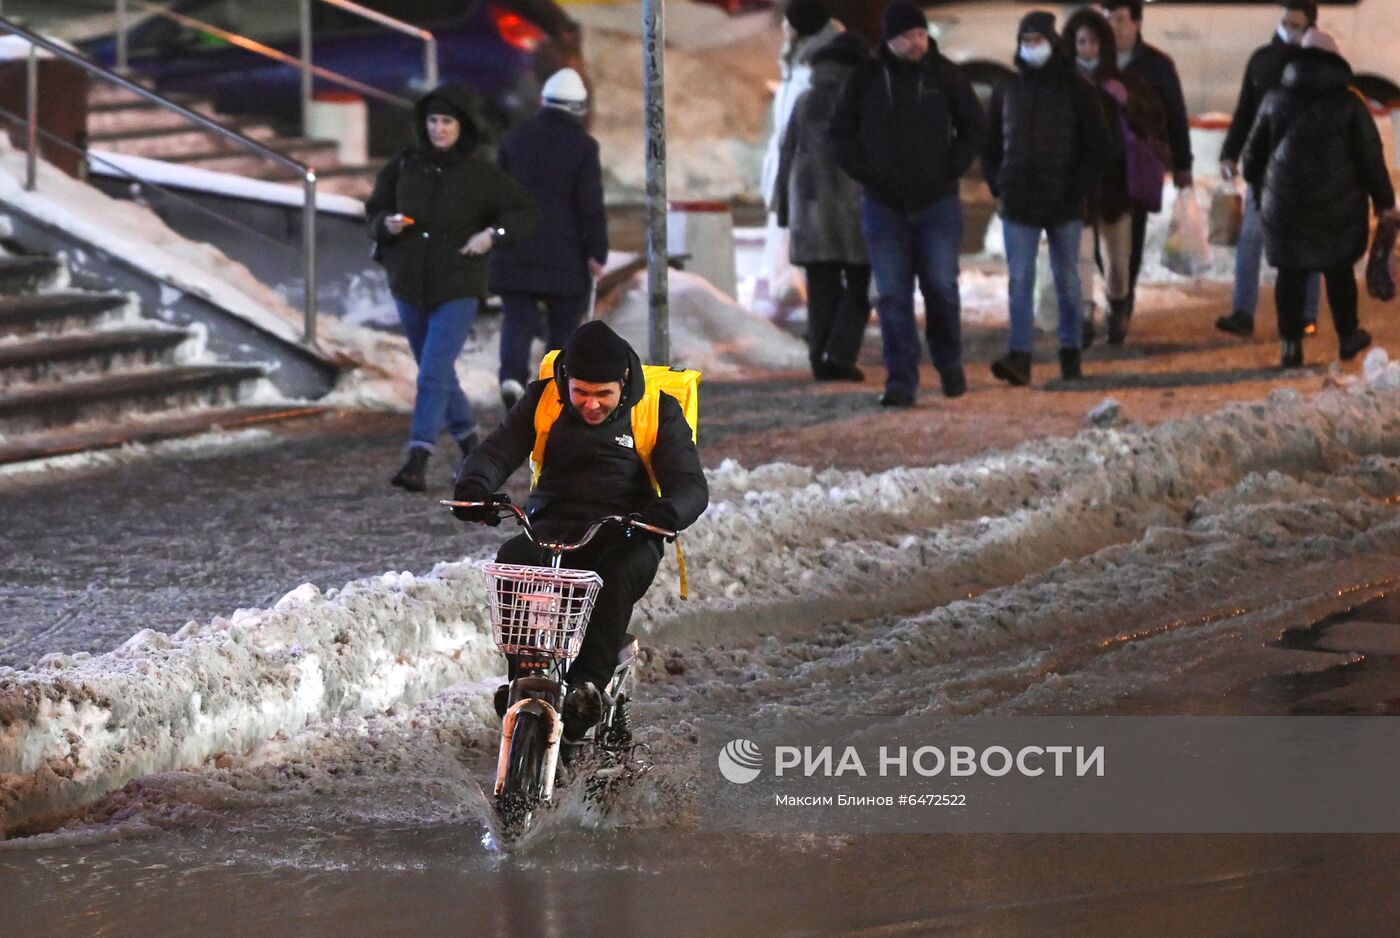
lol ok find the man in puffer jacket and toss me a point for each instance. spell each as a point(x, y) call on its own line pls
point(1046, 148)
point(1317, 219)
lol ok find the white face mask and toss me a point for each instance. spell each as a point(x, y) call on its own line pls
point(1035, 56)
point(1289, 36)
point(1124, 58)
point(1088, 66)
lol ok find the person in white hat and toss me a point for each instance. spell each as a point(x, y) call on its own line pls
point(550, 276)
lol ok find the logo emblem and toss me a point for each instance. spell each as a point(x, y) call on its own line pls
point(740, 761)
point(625, 440)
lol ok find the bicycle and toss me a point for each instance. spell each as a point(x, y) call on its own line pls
point(540, 615)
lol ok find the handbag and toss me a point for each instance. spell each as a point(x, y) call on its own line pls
point(1380, 264)
point(1145, 169)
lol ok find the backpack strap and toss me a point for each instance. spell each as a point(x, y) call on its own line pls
point(546, 412)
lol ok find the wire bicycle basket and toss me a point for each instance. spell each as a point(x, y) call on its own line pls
point(540, 610)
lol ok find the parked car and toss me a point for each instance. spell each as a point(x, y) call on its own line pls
point(501, 48)
point(1211, 42)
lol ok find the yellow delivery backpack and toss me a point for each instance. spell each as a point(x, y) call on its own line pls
point(681, 383)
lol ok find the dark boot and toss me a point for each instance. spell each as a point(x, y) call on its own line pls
point(827, 370)
point(1069, 364)
point(1014, 368)
point(954, 382)
point(501, 700)
point(1292, 354)
point(1089, 333)
point(468, 443)
point(1237, 323)
point(413, 476)
point(583, 708)
point(1119, 313)
point(1349, 346)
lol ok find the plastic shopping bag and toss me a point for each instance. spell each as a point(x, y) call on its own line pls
point(1226, 214)
point(1380, 266)
point(1187, 250)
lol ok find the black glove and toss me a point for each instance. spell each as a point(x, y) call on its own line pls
point(660, 514)
point(483, 514)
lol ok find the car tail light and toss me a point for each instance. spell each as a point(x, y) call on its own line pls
point(516, 30)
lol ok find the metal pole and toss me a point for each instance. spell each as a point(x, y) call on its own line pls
point(653, 48)
point(430, 64)
point(122, 68)
point(305, 67)
point(31, 91)
point(308, 248)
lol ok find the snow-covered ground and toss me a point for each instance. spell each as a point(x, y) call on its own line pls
point(1064, 574)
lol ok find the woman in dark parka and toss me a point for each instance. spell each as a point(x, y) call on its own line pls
point(1315, 161)
point(436, 211)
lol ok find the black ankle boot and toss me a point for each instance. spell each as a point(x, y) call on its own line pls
point(1119, 312)
point(1292, 354)
point(1014, 368)
point(413, 476)
point(1069, 364)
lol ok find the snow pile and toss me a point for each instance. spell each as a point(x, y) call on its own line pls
point(709, 331)
point(796, 549)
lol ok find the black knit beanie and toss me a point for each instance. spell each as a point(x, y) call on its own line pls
point(597, 354)
point(1041, 22)
point(902, 16)
point(807, 17)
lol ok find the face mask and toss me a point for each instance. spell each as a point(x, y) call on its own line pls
point(1087, 66)
point(1035, 56)
point(1288, 36)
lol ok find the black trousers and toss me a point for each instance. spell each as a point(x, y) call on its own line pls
point(838, 310)
point(1290, 291)
point(1135, 255)
point(627, 566)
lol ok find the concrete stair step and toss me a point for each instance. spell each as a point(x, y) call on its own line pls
point(26, 273)
point(113, 397)
point(139, 115)
point(51, 313)
point(99, 436)
point(46, 360)
point(105, 96)
point(176, 144)
point(317, 154)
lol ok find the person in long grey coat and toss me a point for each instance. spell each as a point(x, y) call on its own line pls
point(820, 206)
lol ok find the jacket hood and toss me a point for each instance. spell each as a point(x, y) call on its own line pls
point(632, 389)
point(465, 104)
point(801, 50)
point(1314, 71)
point(835, 60)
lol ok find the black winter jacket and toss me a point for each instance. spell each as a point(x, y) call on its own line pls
point(907, 131)
point(815, 199)
point(1160, 71)
point(1261, 75)
point(1315, 161)
point(592, 471)
point(556, 160)
point(450, 197)
point(1047, 145)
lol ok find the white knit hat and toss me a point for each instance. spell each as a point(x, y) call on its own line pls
point(565, 90)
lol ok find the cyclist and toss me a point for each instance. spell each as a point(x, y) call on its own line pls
point(591, 467)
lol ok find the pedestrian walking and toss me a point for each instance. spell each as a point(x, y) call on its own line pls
point(1046, 142)
point(907, 126)
point(820, 206)
point(437, 210)
point(1315, 161)
point(550, 274)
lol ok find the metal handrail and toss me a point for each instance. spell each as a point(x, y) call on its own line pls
point(308, 175)
point(303, 61)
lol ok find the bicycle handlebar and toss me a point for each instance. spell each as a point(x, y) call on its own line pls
point(556, 546)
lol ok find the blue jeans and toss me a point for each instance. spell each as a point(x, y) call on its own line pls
point(436, 337)
point(904, 246)
point(1249, 254)
point(521, 323)
point(1022, 247)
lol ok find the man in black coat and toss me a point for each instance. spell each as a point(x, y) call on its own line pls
point(591, 468)
point(556, 160)
point(1262, 75)
point(1125, 16)
point(1046, 149)
point(1315, 161)
point(907, 126)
